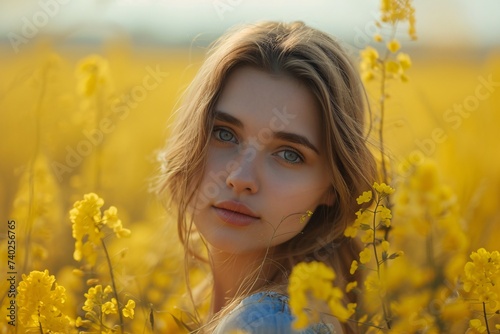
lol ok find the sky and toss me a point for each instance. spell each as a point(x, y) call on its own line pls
point(166, 22)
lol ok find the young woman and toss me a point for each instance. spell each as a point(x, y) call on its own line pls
point(267, 156)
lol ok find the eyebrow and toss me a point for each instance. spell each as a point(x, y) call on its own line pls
point(226, 118)
point(295, 138)
point(285, 136)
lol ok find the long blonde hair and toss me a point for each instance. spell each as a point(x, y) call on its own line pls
point(318, 61)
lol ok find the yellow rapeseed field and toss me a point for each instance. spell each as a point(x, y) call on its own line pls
point(89, 120)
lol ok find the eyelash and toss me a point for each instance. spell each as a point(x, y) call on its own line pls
point(218, 129)
point(216, 133)
point(299, 157)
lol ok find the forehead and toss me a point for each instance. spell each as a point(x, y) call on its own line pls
point(260, 99)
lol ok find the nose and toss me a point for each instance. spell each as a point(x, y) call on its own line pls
point(242, 177)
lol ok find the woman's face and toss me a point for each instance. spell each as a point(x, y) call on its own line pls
point(265, 166)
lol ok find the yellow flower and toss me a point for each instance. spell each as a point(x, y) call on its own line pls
point(370, 56)
point(111, 219)
point(365, 255)
point(351, 231)
point(365, 197)
point(369, 63)
point(41, 303)
point(339, 311)
point(308, 214)
point(385, 246)
point(367, 75)
point(384, 215)
point(122, 232)
point(110, 307)
point(107, 290)
point(86, 219)
point(92, 298)
point(128, 310)
point(99, 303)
point(351, 286)
point(477, 325)
point(88, 222)
point(393, 67)
point(311, 283)
point(404, 60)
point(363, 217)
point(394, 11)
point(373, 284)
point(393, 45)
point(377, 38)
point(382, 188)
point(482, 277)
point(354, 267)
point(367, 236)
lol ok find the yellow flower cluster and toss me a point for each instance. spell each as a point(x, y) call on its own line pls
point(476, 326)
point(428, 220)
point(395, 11)
point(394, 63)
point(482, 280)
point(88, 222)
point(482, 277)
point(306, 215)
point(41, 303)
point(372, 65)
point(98, 304)
point(365, 218)
point(311, 291)
point(372, 222)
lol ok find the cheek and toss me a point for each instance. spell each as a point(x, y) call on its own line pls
point(213, 179)
point(297, 190)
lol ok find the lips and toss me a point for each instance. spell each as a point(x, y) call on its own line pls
point(235, 213)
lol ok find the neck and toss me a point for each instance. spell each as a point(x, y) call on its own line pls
point(234, 274)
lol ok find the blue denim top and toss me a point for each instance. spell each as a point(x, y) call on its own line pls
point(266, 313)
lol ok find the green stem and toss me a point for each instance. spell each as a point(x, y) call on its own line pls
point(486, 318)
point(31, 169)
point(39, 322)
point(114, 285)
point(381, 123)
point(374, 245)
point(101, 317)
point(383, 82)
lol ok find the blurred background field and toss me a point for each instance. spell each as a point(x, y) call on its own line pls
point(467, 149)
point(43, 115)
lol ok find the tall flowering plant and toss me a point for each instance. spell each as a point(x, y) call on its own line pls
point(416, 275)
point(88, 224)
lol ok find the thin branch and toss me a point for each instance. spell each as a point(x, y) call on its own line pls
point(108, 260)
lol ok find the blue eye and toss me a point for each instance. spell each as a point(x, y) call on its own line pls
point(224, 135)
point(290, 156)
